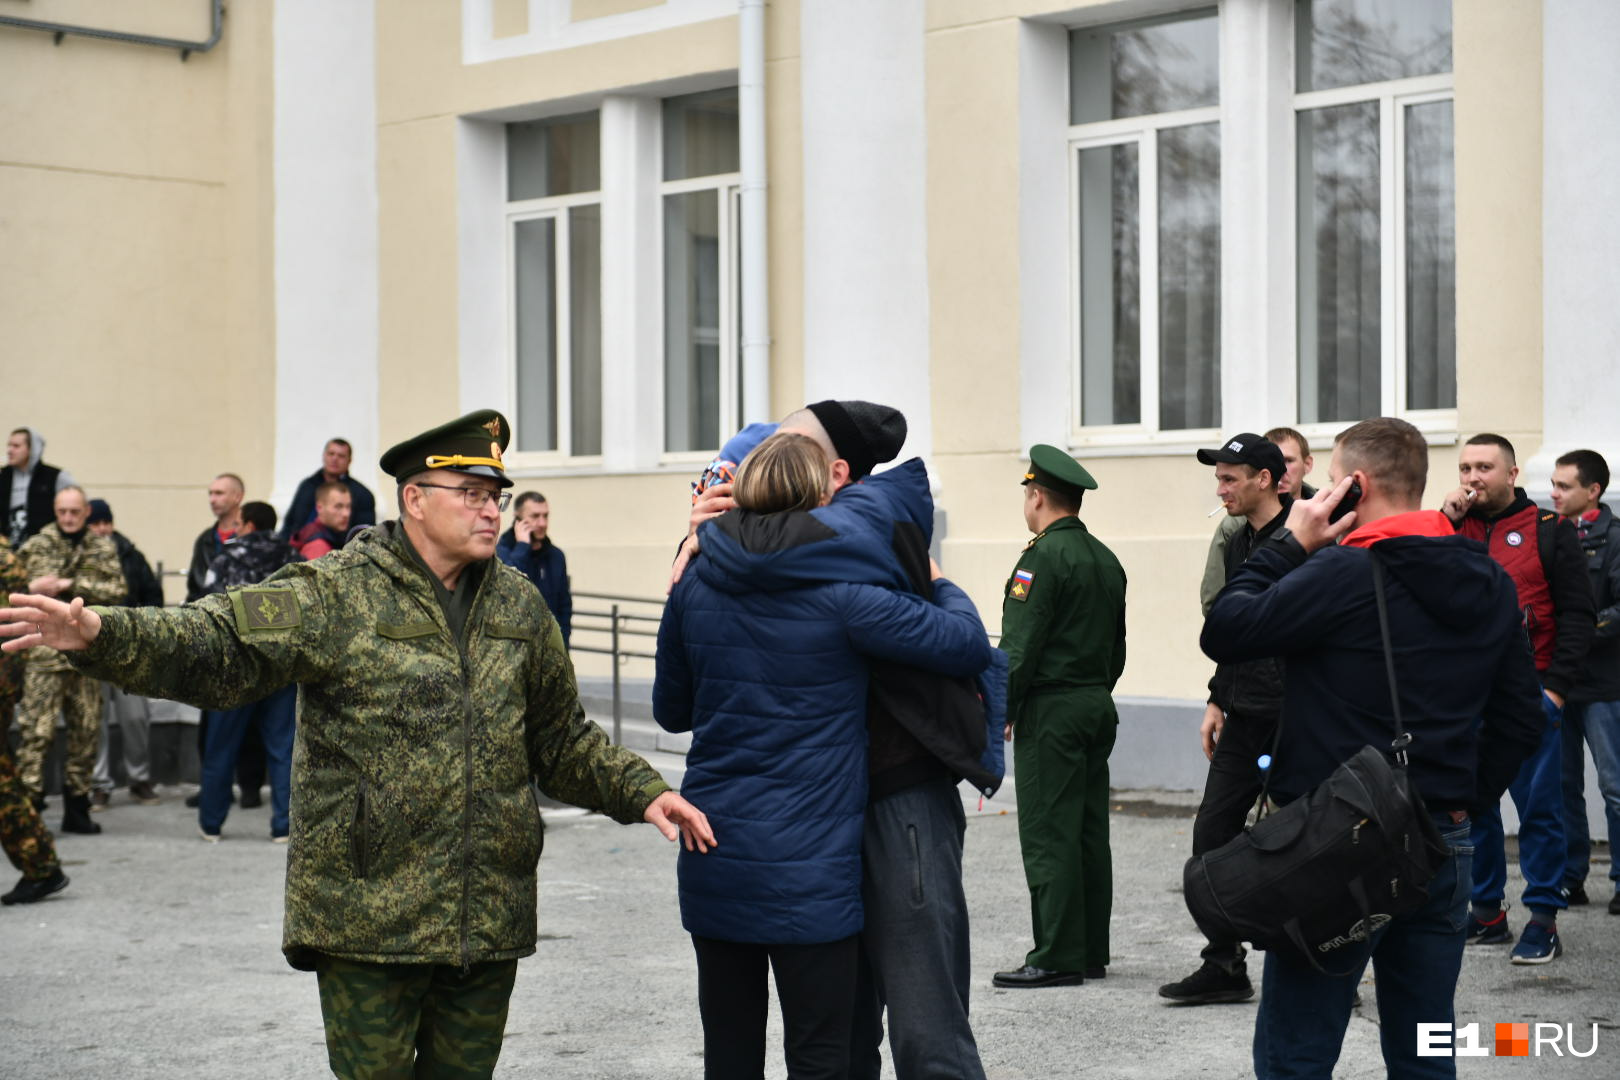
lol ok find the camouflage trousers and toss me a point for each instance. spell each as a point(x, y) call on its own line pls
point(78, 698)
point(27, 841)
point(414, 1021)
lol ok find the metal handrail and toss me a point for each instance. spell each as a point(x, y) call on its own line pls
point(616, 630)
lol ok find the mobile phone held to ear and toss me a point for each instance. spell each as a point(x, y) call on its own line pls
point(1348, 503)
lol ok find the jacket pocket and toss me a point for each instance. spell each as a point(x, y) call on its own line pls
point(916, 865)
point(508, 631)
point(406, 631)
point(359, 834)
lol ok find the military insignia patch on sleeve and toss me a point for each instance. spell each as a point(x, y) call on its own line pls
point(265, 609)
point(1022, 582)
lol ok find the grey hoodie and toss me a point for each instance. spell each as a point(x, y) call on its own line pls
point(18, 510)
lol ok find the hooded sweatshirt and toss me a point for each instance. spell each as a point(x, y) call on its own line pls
point(1468, 688)
point(28, 493)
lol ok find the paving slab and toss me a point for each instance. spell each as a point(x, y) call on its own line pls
point(162, 959)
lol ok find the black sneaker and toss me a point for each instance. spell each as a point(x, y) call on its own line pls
point(1614, 904)
point(1209, 985)
point(1575, 895)
point(1495, 932)
point(29, 891)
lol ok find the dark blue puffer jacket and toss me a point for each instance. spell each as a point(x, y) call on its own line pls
point(770, 678)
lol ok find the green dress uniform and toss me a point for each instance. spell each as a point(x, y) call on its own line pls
point(1063, 629)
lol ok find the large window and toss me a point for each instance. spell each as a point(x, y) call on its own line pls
point(702, 369)
point(1376, 250)
point(1145, 179)
point(554, 250)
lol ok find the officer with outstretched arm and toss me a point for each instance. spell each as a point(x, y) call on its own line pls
point(433, 688)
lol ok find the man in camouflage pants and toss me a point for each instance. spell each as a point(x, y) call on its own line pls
point(27, 842)
point(434, 689)
point(66, 559)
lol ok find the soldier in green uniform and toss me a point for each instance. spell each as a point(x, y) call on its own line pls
point(27, 841)
point(1063, 629)
point(433, 688)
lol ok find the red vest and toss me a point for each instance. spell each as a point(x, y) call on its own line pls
point(1514, 541)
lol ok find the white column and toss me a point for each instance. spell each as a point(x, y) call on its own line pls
point(1258, 373)
point(865, 192)
point(1046, 392)
point(325, 238)
point(481, 301)
point(1580, 366)
point(632, 306)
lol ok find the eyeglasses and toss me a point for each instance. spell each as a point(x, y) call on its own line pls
point(475, 497)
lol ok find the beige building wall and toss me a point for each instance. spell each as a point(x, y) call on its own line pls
point(134, 256)
point(137, 270)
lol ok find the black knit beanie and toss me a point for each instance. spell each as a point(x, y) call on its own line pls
point(864, 434)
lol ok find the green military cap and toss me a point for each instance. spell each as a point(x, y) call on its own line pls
point(1052, 468)
point(472, 445)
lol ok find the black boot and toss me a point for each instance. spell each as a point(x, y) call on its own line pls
point(31, 890)
point(76, 815)
point(39, 802)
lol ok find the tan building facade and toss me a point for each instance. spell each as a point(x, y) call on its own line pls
point(1123, 227)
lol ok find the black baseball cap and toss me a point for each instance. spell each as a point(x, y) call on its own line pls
point(1247, 448)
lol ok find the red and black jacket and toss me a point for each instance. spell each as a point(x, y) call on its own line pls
point(1542, 554)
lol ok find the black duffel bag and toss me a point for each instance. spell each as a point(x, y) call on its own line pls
point(1318, 876)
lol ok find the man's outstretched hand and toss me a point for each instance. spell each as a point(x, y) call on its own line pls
point(675, 817)
point(42, 620)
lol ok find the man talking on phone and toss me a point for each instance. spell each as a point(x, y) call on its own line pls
point(1245, 699)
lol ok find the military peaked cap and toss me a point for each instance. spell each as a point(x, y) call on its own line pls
point(472, 444)
point(1052, 468)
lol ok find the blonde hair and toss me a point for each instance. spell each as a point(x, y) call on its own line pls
point(785, 472)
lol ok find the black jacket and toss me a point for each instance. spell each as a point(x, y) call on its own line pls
point(1599, 678)
point(1253, 687)
point(144, 588)
point(203, 551)
point(1469, 692)
point(362, 509)
point(248, 560)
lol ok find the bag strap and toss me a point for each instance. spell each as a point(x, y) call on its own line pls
point(1403, 738)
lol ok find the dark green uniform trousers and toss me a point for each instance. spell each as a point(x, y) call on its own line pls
point(414, 1021)
point(1061, 743)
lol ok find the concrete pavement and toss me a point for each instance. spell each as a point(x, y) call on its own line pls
point(162, 960)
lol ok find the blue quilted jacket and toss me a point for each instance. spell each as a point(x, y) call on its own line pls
point(770, 677)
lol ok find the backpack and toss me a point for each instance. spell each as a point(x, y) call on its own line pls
point(1317, 877)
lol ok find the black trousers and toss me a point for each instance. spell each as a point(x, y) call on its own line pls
point(1230, 791)
point(816, 987)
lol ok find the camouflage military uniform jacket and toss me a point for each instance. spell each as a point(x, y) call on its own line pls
point(13, 579)
point(93, 565)
point(415, 835)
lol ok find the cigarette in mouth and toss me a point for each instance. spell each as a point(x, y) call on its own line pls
point(1215, 511)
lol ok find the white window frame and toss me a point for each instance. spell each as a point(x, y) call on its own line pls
point(726, 187)
point(1143, 131)
point(1392, 96)
point(556, 208)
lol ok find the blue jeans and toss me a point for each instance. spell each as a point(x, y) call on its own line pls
point(1538, 794)
point(276, 716)
point(1415, 959)
point(915, 945)
point(1598, 723)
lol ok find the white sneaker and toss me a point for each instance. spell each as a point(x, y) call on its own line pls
point(211, 837)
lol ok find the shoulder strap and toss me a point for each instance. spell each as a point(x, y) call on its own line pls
point(1403, 739)
point(1547, 543)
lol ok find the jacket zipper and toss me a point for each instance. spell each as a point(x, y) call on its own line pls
point(467, 804)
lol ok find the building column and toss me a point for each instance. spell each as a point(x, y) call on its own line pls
point(1258, 289)
point(325, 239)
point(1580, 234)
point(865, 209)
